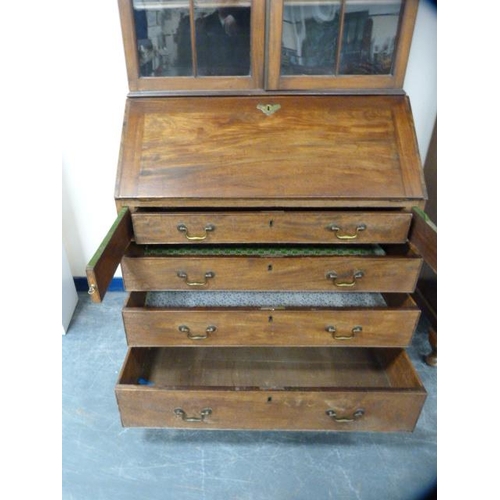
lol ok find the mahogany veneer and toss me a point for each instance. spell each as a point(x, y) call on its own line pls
point(225, 185)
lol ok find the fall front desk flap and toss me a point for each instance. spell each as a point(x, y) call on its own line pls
point(203, 150)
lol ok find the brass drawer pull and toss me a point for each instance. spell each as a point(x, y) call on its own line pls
point(190, 336)
point(184, 229)
point(204, 413)
point(336, 229)
point(354, 331)
point(356, 276)
point(355, 416)
point(184, 276)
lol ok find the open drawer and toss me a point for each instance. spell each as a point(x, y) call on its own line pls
point(346, 268)
point(300, 268)
point(333, 389)
point(267, 319)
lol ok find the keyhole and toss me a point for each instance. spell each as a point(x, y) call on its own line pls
point(270, 319)
point(270, 267)
point(270, 399)
point(271, 222)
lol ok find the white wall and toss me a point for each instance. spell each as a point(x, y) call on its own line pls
point(68, 293)
point(421, 75)
point(95, 87)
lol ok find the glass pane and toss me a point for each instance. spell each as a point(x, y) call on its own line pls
point(223, 37)
point(309, 41)
point(369, 37)
point(163, 37)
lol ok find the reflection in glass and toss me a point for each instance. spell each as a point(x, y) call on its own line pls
point(223, 39)
point(163, 38)
point(309, 40)
point(369, 37)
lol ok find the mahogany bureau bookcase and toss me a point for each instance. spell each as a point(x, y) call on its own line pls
point(267, 174)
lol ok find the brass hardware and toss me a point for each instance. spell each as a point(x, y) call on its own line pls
point(204, 413)
point(92, 289)
point(184, 276)
point(190, 336)
point(184, 229)
point(355, 416)
point(333, 276)
point(354, 331)
point(336, 229)
point(269, 109)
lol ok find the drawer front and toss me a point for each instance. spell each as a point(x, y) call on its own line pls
point(266, 388)
point(271, 227)
point(356, 326)
point(270, 410)
point(344, 274)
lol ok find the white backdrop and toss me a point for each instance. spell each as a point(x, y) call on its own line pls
point(95, 88)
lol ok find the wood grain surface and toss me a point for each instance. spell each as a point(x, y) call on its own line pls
point(270, 227)
point(270, 389)
point(246, 326)
point(380, 274)
point(312, 148)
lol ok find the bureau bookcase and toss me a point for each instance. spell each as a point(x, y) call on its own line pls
point(267, 174)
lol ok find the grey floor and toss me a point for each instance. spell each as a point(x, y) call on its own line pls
point(102, 460)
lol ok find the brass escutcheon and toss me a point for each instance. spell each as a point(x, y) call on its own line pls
point(269, 109)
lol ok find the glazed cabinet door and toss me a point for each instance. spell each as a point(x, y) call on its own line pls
point(344, 44)
point(193, 45)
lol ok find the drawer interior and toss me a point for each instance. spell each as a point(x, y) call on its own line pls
point(264, 300)
point(278, 300)
point(268, 368)
point(261, 250)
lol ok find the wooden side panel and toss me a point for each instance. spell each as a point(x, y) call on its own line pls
point(102, 266)
point(399, 368)
point(405, 39)
point(423, 237)
point(411, 166)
